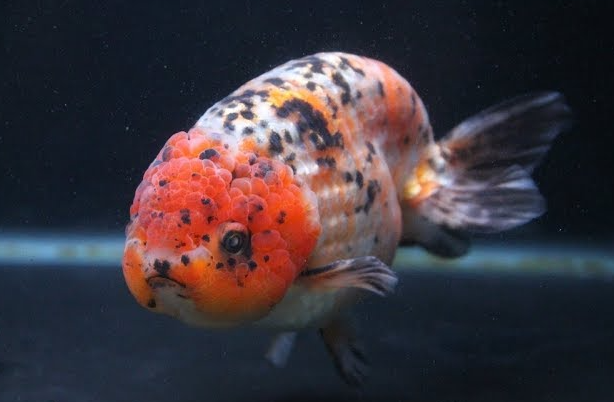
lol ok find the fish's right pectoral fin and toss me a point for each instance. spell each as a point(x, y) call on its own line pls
point(368, 273)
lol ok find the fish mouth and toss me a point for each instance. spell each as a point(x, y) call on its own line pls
point(159, 282)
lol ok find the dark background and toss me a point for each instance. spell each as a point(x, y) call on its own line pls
point(91, 90)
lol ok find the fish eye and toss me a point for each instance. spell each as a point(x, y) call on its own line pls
point(234, 241)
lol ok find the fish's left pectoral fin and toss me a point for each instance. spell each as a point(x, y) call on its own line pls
point(280, 349)
point(346, 351)
point(368, 273)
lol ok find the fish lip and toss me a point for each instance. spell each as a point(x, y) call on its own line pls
point(158, 281)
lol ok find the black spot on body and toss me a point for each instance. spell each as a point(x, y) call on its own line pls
point(162, 267)
point(248, 130)
point(370, 147)
point(185, 216)
point(275, 81)
point(413, 104)
point(372, 189)
point(282, 217)
point(185, 260)
point(327, 161)
point(263, 169)
point(206, 238)
point(290, 157)
point(163, 183)
point(231, 262)
point(288, 137)
point(345, 63)
point(359, 179)
point(247, 114)
point(219, 265)
point(311, 86)
point(266, 258)
point(348, 177)
point(333, 106)
point(208, 154)
point(205, 201)
point(232, 116)
point(312, 121)
point(380, 89)
point(252, 265)
point(275, 145)
point(283, 112)
point(315, 64)
point(151, 303)
point(358, 94)
point(342, 83)
point(424, 132)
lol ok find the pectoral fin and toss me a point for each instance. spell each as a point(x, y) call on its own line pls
point(367, 273)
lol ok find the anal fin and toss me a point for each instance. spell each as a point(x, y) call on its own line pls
point(367, 273)
point(347, 353)
point(280, 349)
point(434, 238)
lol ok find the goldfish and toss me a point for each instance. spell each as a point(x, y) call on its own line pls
point(285, 202)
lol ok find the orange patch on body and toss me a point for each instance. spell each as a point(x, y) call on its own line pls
point(421, 185)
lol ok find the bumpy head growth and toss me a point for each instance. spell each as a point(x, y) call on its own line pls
point(217, 233)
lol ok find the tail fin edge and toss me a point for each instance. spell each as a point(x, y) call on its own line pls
point(477, 178)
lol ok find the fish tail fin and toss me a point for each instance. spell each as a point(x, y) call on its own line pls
point(478, 177)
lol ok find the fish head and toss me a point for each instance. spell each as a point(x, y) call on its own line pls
point(217, 234)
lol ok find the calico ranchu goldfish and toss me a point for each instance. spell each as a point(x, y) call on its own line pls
point(286, 201)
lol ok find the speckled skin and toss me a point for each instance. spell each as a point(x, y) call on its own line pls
point(377, 126)
point(348, 129)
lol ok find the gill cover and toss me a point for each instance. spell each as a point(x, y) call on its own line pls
point(228, 230)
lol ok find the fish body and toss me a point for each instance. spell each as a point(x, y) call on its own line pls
point(289, 197)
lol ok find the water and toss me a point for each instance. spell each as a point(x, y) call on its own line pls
point(91, 92)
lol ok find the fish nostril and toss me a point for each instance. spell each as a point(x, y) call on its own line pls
point(162, 267)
